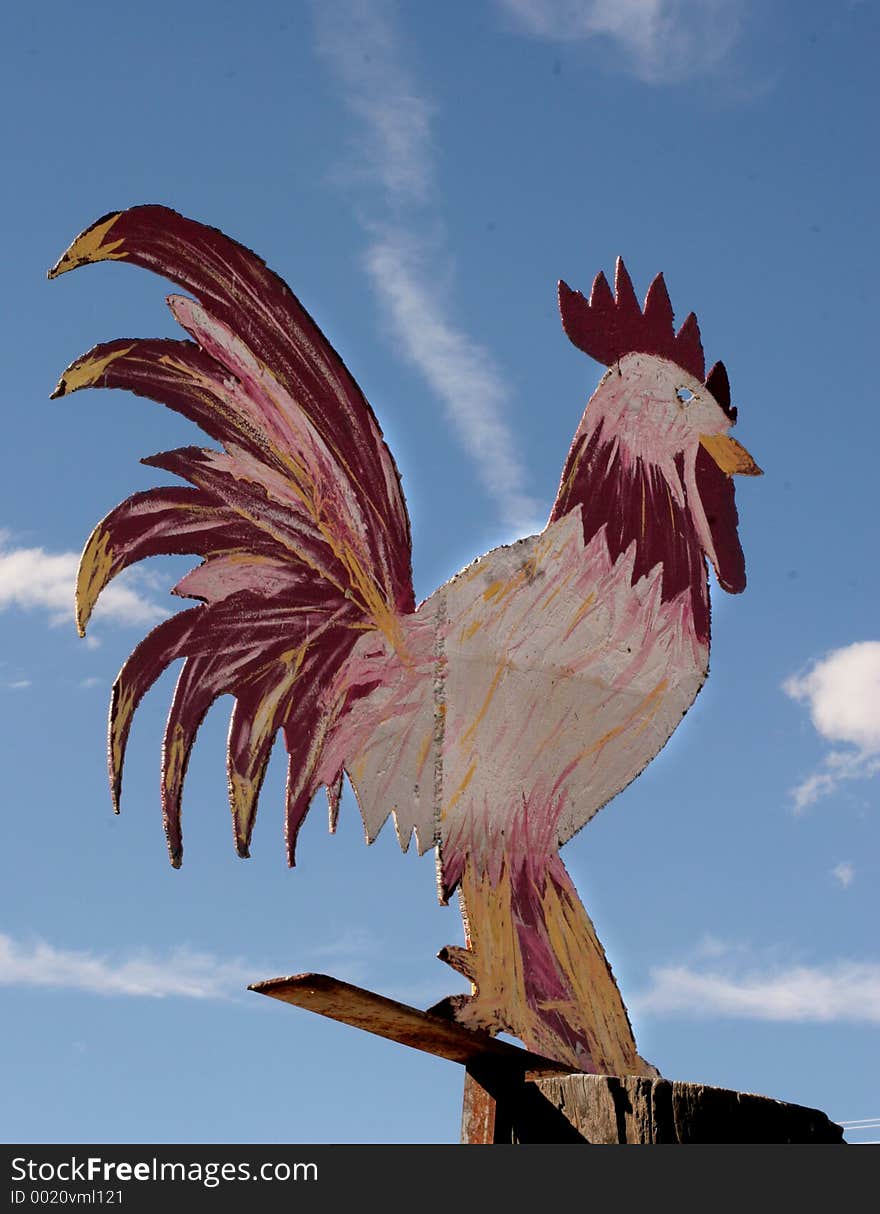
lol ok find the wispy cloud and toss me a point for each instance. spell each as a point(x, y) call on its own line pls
point(844, 873)
point(842, 991)
point(664, 42)
point(184, 973)
point(363, 46)
point(18, 684)
point(459, 371)
point(33, 579)
point(361, 43)
point(842, 692)
point(350, 943)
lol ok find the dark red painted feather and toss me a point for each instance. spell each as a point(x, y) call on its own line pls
point(607, 328)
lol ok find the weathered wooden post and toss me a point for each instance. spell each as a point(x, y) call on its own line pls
point(494, 719)
point(608, 1109)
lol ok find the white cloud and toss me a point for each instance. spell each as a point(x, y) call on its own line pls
point(663, 41)
point(184, 973)
point(842, 692)
point(362, 44)
point(19, 684)
point(846, 991)
point(844, 873)
point(459, 371)
point(191, 975)
point(34, 579)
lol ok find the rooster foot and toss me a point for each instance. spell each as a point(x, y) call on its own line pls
point(469, 1011)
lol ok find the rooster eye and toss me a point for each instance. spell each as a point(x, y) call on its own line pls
point(684, 395)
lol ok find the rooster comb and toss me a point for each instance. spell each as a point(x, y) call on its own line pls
point(609, 326)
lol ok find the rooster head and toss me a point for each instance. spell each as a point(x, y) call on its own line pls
point(659, 415)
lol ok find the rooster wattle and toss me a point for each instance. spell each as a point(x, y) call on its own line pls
point(497, 717)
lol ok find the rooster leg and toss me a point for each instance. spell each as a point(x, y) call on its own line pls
point(538, 970)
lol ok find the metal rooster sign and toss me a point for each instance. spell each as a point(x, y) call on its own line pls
point(491, 721)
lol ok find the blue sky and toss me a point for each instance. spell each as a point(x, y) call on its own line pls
point(422, 176)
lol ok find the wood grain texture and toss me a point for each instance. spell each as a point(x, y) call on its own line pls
point(607, 1109)
point(399, 1022)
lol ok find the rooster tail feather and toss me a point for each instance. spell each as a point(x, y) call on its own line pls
point(299, 518)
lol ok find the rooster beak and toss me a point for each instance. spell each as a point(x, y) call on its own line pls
point(730, 456)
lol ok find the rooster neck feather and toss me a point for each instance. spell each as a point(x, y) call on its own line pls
point(636, 502)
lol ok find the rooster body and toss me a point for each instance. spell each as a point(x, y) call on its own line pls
point(496, 718)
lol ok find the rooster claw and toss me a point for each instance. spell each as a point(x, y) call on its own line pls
point(449, 1007)
point(459, 959)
